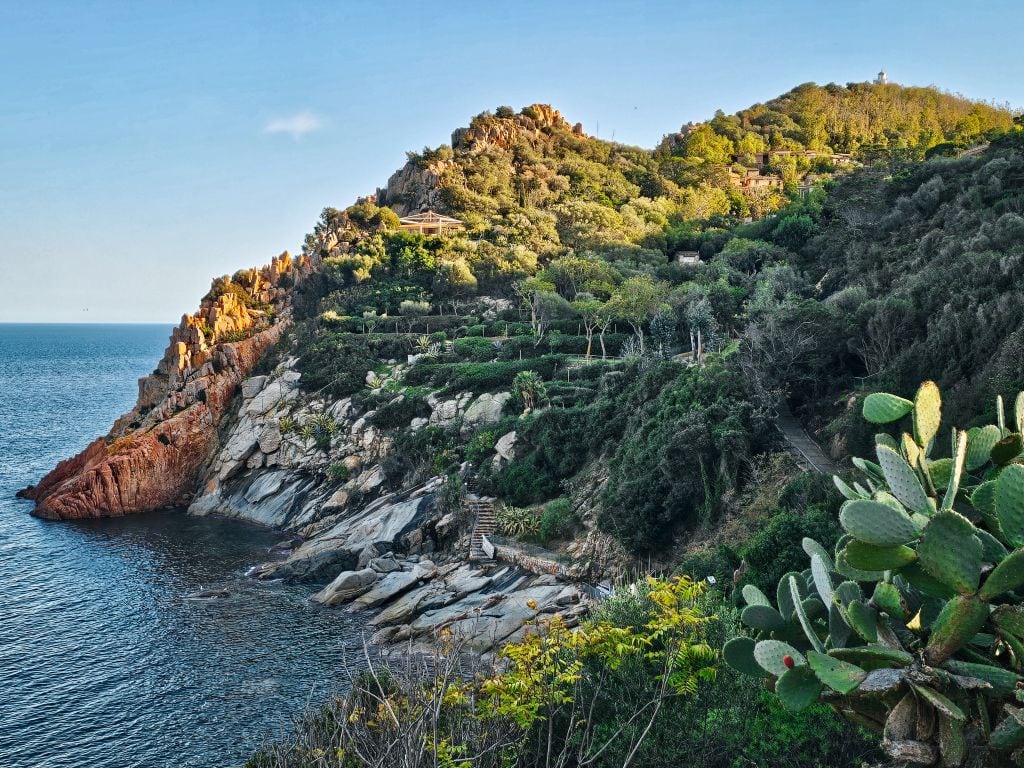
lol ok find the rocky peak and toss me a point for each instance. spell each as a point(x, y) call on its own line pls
point(154, 454)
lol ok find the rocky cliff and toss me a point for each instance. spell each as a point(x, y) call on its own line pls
point(155, 454)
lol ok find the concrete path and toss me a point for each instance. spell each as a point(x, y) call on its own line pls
point(807, 452)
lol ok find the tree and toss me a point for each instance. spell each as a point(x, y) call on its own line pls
point(700, 320)
point(454, 281)
point(589, 310)
point(528, 388)
point(663, 329)
point(635, 301)
point(410, 310)
point(572, 275)
point(545, 305)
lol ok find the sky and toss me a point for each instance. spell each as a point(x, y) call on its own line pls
point(146, 147)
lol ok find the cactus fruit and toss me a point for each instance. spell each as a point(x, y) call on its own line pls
point(883, 408)
point(937, 650)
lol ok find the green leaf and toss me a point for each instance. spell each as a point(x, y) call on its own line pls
point(798, 688)
point(883, 408)
point(1007, 449)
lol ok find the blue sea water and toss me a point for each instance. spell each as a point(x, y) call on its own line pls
point(104, 663)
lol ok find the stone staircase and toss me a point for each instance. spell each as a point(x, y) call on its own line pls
point(482, 510)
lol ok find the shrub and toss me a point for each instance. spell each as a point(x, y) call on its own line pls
point(338, 472)
point(480, 446)
point(556, 521)
point(400, 411)
point(475, 348)
point(517, 521)
point(479, 377)
point(681, 451)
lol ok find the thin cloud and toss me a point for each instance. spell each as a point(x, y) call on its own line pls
point(298, 125)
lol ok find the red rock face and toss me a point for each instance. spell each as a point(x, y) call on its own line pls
point(155, 455)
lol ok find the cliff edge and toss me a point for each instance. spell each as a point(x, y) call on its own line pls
point(155, 454)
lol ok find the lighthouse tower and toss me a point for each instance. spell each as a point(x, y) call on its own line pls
point(882, 78)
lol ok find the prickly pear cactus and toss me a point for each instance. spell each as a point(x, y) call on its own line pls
point(914, 626)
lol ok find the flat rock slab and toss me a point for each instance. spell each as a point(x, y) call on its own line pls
point(386, 589)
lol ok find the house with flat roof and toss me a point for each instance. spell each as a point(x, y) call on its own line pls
point(430, 223)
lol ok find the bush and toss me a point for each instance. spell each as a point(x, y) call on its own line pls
point(682, 451)
point(338, 472)
point(480, 446)
point(332, 362)
point(479, 377)
point(475, 348)
point(556, 521)
point(400, 411)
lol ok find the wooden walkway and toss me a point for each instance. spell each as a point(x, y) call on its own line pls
point(807, 452)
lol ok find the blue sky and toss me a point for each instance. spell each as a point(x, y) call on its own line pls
point(146, 147)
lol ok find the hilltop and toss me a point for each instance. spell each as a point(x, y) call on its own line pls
point(467, 431)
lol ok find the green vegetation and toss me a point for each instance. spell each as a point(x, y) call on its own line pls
point(915, 619)
point(644, 388)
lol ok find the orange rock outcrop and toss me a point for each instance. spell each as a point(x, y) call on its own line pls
point(155, 454)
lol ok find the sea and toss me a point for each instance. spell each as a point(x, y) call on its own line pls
point(105, 661)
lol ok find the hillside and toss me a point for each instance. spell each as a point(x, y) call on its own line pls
point(469, 432)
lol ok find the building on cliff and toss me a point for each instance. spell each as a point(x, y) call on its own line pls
point(430, 223)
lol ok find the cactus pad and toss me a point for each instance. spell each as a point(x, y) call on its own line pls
point(838, 675)
point(822, 578)
point(902, 480)
point(1009, 618)
point(811, 547)
point(993, 550)
point(755, 596)
point(843, 488)
point(873, 656)
point(838, 629)
point(980, 441)
point(869, 557)
point(887, 598)
point(769, 654)
point(959, 458)
point(762, 617)
point(875, 523)
point(798, 688)
point(959, 621)
point(951, 552)
point(927, 413)
point(883, 408)
point(1009, 504)
point(863, 619)
point(940, 702)
point(1018, 412)
point(784, 597)
point(739, 654)
point(1003, 681)
point(1007, 576)
point(844, 568)
point(1009, 734)
point(801, 615)
point(1007, 449)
